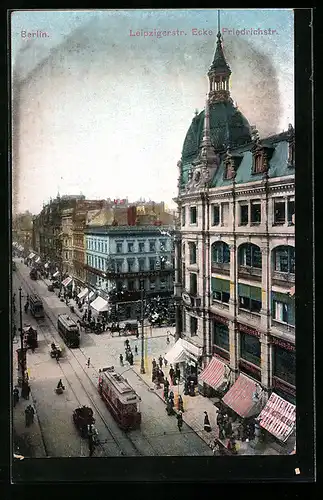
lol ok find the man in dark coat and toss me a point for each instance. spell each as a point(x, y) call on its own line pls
point(160, 360)
point(171, 374)
point(207, 425)
point(154, 363)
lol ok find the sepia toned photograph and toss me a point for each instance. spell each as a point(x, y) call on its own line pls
point(153, 233)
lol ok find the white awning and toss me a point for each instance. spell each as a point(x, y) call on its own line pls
point(37, 260)
point(56, 274)
point(192, 349)
point(31, 255)
point(100, 305)
point(20, 248)
point(177, 353)
point(67, 281)
point(83, 292)
point(46, 265)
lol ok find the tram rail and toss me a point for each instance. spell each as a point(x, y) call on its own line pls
point(49, 337)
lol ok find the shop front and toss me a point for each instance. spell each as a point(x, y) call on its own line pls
point(278, 418)
point(284, 369)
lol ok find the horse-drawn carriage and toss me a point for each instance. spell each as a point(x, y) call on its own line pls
point(56, 351)
point(129, 327)
point(30, 337)
point(83, 419)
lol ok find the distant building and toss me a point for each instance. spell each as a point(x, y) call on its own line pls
point(22, 230)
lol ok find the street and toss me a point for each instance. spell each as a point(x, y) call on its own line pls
point(158, 435)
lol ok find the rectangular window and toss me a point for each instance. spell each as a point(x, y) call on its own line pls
point(152, 264)
point(283, 308)
point(220, 289)
point(119, 246)
point(193, 215)
point(249, 298)
point(162, 245)
point(193, 325)
point(224, 214)
point(106, 247)
point(152, 246)
point(257, 164)
point(215, 215)
point(285, 260)
point(250, 348)
point(221, 336)
point(244, 215)
point(131, 265)
point(131, 285)
point(192, 247)
point(284, 364)
point(162, 283)
point(119, 264)
point(141, 246)
point(255, 212)
point(183, 216)
point(96, 262)
point(280, 311)
point(66, 255)
point(152, 284)
point(141, 263)
point(279, 212)
point(193, 283)
point(130, 247)
point(291, 212)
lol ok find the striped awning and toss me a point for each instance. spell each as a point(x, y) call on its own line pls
point(278, 417)
point(31, 255)
point(244, 397)
point(215, 373)
point(82, 293)
point(67, 281)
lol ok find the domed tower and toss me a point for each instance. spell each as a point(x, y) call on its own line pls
point(220, 126)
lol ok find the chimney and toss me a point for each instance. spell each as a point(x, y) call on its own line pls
point(132, 215)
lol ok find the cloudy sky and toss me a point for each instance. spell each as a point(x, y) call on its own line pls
point(99, 111)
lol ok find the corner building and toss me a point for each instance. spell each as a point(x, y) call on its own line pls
point(235, 255)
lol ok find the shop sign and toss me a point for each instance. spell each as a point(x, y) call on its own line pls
point(283, 344)
point(250, 368)
point(220, 319)
point(247, 329)
point(280, 384)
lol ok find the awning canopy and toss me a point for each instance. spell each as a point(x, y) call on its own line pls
point(177, 353)
point(46, 265)
point(292, 291)
point(278, 417)
point(191, 348)
point(31, 255)
point(215, 374)
point(20, 248)
point(244, 397)
point(56, 274)
point(67, 281)
point(100, 305)
point(82, 293)
point(37, 260)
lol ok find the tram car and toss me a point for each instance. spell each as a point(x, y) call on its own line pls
point(120, 398)
point(68, 330)
point(36, 306)
point(30, 337)
point(33, 274)
point(82, 418)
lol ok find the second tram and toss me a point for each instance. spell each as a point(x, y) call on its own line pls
point(68, 330)
point(36, 306)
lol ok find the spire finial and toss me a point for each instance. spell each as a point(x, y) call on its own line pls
point(219, 31)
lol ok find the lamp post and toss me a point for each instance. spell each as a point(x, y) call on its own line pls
point(142, 367)
point(22, 352)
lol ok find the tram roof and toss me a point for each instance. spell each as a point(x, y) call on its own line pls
point(35, 298)
point(127, 393)
point(65, 318)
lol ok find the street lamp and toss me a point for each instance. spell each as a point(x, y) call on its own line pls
point(22, 350)
point(142, 367)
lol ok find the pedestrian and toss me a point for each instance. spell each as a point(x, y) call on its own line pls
point(228, 428)
point(154, 363)
point(171, 374)
point(88, 362)
point(121, 359)
point(136, 349)
point(177, 374)
point(167, 339)
point(160, 360)
point(31, 413)
point(165, 361)
point(180, 404)
point(207, 425)
point(166, 383)
point(180, 421)
point(60, 385)
point(165, 392)
point(15, 396)
point(27, 390)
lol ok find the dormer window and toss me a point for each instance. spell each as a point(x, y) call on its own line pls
point(261, 157)
point(258, 166)
point(229, 172)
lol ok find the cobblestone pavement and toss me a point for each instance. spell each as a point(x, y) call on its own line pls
point(158, 434)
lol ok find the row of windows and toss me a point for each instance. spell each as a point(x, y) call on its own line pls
point(249, 212)
point(127, 265)
point(128, 246)
point(248, 255)
point(250, 350)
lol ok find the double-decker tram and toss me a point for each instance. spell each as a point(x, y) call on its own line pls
point(120, 398)
point(68, 330)
point(36, 306)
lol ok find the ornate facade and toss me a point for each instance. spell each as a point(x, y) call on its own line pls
point(235, 249)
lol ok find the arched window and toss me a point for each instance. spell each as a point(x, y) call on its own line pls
point(284, 259)
point(220, 253)
point(250, 255)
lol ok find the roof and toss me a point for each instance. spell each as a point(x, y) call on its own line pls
point(228, 126)
point(177, 353)
point(100, 305)
point(219, 64)
point(278, 417)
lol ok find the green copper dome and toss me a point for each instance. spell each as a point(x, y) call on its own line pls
point(228, 127)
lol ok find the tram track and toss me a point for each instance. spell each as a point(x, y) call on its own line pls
point(49, 337)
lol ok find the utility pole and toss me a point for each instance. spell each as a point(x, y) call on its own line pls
point(142, 368)
point(22, 352)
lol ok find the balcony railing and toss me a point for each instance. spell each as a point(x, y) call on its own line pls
point(220, 267)
point(281, 277)
point(284, 327)
point(250, 272)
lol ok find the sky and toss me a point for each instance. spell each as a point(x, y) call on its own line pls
point(99, 111)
